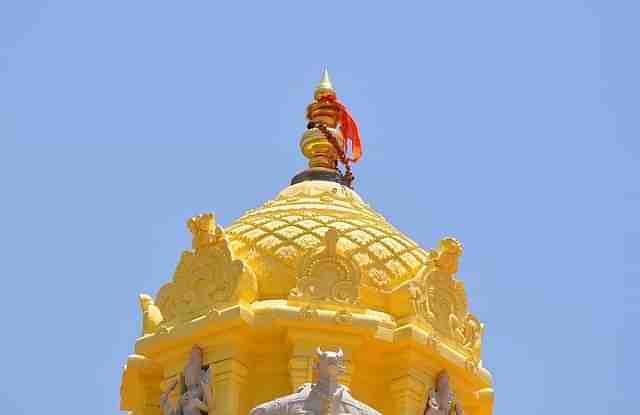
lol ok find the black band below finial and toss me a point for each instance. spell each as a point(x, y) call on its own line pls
point(318, 174)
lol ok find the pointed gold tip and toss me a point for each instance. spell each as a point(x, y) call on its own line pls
point(324, 87)
point(325, 81)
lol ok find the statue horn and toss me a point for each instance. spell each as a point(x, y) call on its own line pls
point(340, 354)
point(319, 352)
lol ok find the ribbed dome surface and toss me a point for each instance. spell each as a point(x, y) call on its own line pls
point(275, 238)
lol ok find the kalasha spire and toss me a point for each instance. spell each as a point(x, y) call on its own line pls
point(326, 146)
point(325, 86)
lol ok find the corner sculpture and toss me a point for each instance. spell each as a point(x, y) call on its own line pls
point(204, 230)
point(197, 395)
point(326, 397)
point(439, 301)
point(151, 315)
point(208, 277)
point(441, 400)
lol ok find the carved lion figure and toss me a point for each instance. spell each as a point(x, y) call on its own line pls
point(204, 230)
point(447, 256)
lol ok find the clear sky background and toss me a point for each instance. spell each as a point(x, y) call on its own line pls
point(512, 125)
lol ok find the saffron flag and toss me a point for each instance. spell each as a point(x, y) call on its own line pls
point(349, 130)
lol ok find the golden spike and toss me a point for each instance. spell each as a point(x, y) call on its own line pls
point(324, 87)
point(325, 81)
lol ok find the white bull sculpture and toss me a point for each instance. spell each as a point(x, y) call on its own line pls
point(327, 397)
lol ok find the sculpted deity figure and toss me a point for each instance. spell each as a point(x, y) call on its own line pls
point(473, 336)
point(197, 394)
point(204, 230)
point(441, 400)
point(468, 333)
point(326, 397)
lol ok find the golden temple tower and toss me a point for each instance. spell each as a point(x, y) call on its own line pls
point(314, 267)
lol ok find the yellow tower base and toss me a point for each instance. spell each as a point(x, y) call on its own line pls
point(249, 306)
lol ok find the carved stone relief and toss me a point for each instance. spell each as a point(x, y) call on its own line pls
point(197, 395)
point(439, 300)
point(207, 277)
point(327, 276)
point(441, 399)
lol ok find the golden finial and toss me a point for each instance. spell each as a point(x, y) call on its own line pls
point(323, 114)
point(324, 87)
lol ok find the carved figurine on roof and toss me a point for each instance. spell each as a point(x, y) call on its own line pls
point(326, 397)
point(197, 395)
point(438, 301)
point(208, 278)
point(204, 230)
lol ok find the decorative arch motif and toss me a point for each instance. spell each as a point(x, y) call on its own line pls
point(327, 276)
point(207, 277)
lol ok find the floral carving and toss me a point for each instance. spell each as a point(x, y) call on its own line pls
point(379, 278)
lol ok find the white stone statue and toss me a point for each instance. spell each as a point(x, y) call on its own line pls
point(327, 397)
point(197, 393)
point(441, 400)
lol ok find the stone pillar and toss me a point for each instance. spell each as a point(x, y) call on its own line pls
point(140, 389)
point(228, 356)
point(408, 383)
point(408, 393)
point(300, 368)
point(483, 404)
point(230, 383)
point(347, 376)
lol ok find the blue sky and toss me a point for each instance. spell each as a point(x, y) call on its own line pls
point(512, 125)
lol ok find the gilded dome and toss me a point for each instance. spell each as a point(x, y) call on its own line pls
point(277, 237)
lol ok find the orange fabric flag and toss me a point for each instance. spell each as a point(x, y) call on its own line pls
point(349, 130)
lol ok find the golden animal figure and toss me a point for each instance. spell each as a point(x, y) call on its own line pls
point(204, 230)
